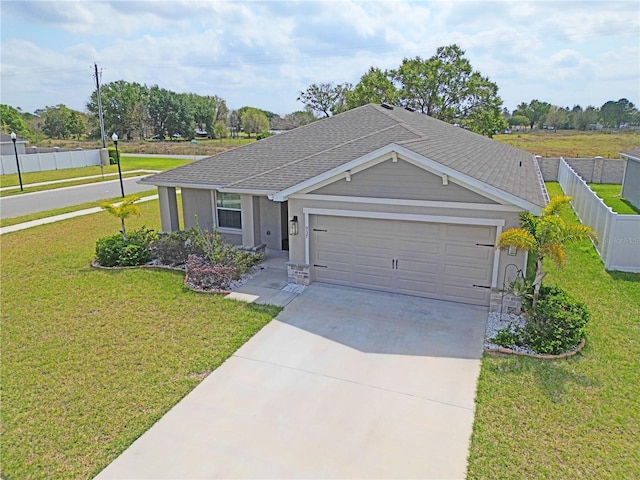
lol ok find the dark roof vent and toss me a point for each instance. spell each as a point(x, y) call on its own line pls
point(387, 106)
point(411, 109)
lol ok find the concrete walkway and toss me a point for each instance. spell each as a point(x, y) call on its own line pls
point(343, 383)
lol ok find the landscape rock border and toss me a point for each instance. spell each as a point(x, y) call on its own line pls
point(95, 264)
point(543, 356)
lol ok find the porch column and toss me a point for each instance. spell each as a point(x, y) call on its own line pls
point(168, 209)
point(250, 211)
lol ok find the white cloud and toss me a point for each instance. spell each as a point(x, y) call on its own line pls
point(263, 53)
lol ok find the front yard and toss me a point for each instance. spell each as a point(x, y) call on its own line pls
point(92, 358)
point(576, 418)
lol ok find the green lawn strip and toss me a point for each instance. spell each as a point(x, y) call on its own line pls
point(127, 164)
point(575, 418)
point(54, 186)
point(92, 358)
point(5, 222)
point(610, 193)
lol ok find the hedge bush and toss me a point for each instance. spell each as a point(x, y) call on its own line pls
point(114, 251)
point(204, 275)
point(556, 324)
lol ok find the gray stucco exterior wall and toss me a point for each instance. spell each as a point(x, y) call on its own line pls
point(196, 202)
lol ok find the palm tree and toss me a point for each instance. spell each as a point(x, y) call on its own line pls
point(122, 210)
point(545, 236)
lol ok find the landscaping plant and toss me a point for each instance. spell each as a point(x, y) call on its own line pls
point(123, 210)
point(545, 236)
point(115, 251)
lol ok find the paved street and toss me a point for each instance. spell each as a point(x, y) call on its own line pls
point(27, 203)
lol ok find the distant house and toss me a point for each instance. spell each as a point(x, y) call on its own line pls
point(6, 145)
point(377, 197)
point(631, 180)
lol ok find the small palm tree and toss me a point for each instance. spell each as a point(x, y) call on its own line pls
point(123, 210)
point(545, 236)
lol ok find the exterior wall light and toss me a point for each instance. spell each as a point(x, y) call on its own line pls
point(293, 226)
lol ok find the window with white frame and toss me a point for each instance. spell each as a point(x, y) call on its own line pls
point(229, 213)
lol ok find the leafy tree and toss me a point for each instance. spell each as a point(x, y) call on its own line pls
point(581, 119)
point(519, 120)
point(557, 117)
point(124, 108)
point(617, 113)
point(169, 113)
point(297, 119)
point(220, 130)
point(12, 121)
point(205, 110)
point(325, 98)
point(480, 111)
point(545, 236)
point(234, 122)
point(62, 122)
point(254, 121)
point(375, 86)
point(536, 111)
point(446, 87)
point(123, 210)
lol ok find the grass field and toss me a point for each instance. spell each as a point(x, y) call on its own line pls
point(611, 196)
point(572, 144)
point(92, 358)
point(575, 418)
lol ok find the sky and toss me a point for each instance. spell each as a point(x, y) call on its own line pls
point(263, 53)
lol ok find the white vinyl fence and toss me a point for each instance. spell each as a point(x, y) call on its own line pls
point(618, 235)
point(37, 162)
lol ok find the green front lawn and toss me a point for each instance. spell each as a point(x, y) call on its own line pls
point(611, 195)
point(91, 358)
point(575, 418)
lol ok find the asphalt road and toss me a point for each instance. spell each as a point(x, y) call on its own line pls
point(27, 203)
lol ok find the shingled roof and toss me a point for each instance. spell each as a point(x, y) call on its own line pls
point(283, 161)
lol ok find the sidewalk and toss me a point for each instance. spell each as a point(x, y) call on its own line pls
point(64, 216)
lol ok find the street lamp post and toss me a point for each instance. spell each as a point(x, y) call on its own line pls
point(114, 137)
point(15, 149)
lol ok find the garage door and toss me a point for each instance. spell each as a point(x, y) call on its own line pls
point(436, 260)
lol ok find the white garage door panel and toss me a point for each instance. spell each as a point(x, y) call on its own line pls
point(434, 260)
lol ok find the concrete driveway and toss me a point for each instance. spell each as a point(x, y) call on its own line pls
point(344, 383)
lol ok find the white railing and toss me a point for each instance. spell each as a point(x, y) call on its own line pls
point(618, 235)
point(37, 162)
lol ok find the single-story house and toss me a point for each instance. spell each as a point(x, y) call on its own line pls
point(631, 179)
point(378, 197)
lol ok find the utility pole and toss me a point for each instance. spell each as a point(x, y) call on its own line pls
point(104, 145)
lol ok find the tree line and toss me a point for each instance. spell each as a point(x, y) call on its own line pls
point(612, 114)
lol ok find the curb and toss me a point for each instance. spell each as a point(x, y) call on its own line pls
point(542, 356)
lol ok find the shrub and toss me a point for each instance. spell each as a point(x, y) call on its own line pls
point(113, 155)
point(207, 276)
point(262, 135)
point(114, 251)
point(508, 337)
point(108, 250)
point(556, 324)
point(216, 252)
point(174, 248)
